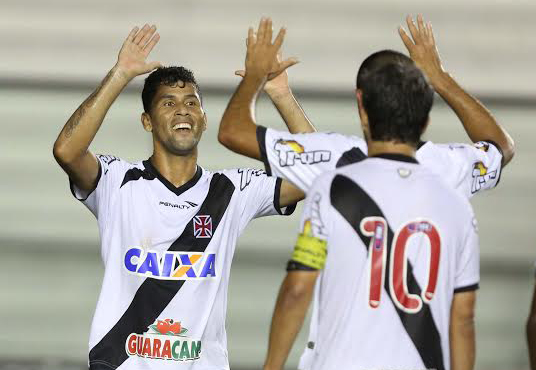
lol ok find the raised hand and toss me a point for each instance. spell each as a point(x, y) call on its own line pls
point(276, 83)
point(261, 58)
point(133, 54)
point(422, 48)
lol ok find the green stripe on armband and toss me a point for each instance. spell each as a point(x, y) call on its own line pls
point(310, 251)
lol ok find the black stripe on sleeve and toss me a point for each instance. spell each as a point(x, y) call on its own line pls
point(154, 295)
point(297, 266)
point(467, 288)
point(261, 140)
point(421, 327)
point(99, 175)
point(286, 211)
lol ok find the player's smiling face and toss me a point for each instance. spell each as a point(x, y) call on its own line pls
point(177, 119)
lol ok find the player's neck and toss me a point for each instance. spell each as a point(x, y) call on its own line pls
point(178, 170)
point(390, 147)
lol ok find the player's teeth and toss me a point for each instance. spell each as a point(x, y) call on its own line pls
point(182, 125)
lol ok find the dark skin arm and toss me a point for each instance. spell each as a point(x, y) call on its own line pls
point(238, 126)
point(71, 148)
point(291, 307)
point(462, 331)
point(238, 129)
point(477, 121)
point(531, 331)
point(278, 89)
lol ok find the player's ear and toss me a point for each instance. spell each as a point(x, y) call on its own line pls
point(146, 122)
point(362, 113)
point(426, 125)
point(204, 121)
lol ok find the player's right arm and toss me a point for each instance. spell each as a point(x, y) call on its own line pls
point(477, 121)
point(71, 148)
point(531, 331)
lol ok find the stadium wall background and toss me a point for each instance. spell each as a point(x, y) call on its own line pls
point(57, 52)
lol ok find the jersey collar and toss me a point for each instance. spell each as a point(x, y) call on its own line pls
point(396, 157)
point(177, 190)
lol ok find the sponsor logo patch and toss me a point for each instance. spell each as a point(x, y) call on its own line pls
point(290, 151)
point(481, 175)
point(164, 340)
point(170, 265)
point(186, 205)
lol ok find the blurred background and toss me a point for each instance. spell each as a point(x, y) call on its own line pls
point(55, 52)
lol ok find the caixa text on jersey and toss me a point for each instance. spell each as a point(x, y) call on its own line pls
point(170, 265)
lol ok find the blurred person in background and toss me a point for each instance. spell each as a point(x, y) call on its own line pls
point(168, 227)
point(300, 158)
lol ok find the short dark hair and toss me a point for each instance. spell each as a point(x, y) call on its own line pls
point(396, 96)
point(169, 76)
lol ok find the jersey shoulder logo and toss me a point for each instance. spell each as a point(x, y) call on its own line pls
point(481, 175)
point(107, 160)
point(203, 226)
point(482, 145)
point(164, 340)
point(246, 175)
point(291, 151)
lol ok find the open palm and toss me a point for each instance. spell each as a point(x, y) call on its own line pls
point(132, 57)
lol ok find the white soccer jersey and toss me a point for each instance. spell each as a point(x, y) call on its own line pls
point(300, 158)
point(394, 243)
point(167, 253)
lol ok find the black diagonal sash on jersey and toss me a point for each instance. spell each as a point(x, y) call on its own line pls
point(154, 295)
point(354, 204)
point(351, 156)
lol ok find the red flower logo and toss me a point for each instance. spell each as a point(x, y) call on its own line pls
point(168, 326)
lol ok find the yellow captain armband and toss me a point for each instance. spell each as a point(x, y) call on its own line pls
point(310, 251)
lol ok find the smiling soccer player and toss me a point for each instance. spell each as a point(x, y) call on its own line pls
point(168, 227)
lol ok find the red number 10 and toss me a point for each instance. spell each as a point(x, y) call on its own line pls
point(376, 229)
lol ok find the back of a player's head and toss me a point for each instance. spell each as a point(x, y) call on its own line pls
point(396, 97)
point(168, 76)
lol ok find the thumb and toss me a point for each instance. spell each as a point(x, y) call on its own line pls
point(240, 73)
point(288, 63)
point(153, 65)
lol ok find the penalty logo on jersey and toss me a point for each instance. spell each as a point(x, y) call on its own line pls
point(170, 265)
point(164, 340)
point(290, 151)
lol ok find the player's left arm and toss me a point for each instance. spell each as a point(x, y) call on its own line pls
point(291, 307)
point(477, 121)
point(238, 129)
point(308, 259)
point(531, 331)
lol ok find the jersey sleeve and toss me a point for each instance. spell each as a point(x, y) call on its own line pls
point(300, 158)
point(259, 194)
point(111, 173)
point(473, 168)
point(468, 260)
point(310, 250)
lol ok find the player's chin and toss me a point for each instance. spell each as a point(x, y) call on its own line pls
point(183, 147)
